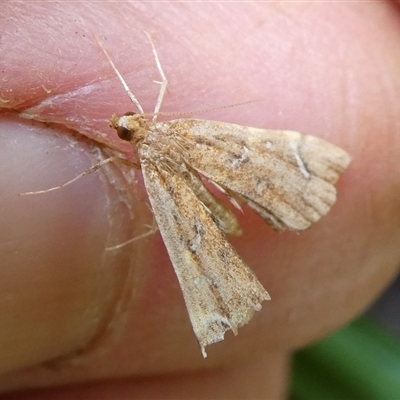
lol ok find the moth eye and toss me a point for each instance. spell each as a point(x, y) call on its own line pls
point(124, 133)
point(129, 113)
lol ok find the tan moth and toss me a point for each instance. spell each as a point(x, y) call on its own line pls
point(286, 177)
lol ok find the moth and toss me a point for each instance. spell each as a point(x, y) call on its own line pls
point(286, 177)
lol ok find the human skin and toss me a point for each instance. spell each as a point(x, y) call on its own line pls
point(70, 311)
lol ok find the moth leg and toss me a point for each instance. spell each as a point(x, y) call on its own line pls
point(153, 228)
point(126, 162)
point(88, 171)
point(164, 81)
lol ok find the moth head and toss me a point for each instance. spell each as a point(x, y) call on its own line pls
point(127, 126)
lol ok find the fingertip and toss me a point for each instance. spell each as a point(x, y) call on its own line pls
point(52, 246)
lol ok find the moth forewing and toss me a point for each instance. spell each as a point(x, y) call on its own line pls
point(220, 290)
point(287, 177)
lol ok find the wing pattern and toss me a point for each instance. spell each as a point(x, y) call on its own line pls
point(287, 177)
point(220, 290)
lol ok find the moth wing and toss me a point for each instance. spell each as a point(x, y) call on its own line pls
point(287, 177)
point(223, 216)
point(220, 291)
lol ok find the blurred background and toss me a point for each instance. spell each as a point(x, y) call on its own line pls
point(360, 361)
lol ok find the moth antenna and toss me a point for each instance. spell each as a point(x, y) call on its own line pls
point(201, 110)
point(122, 80)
